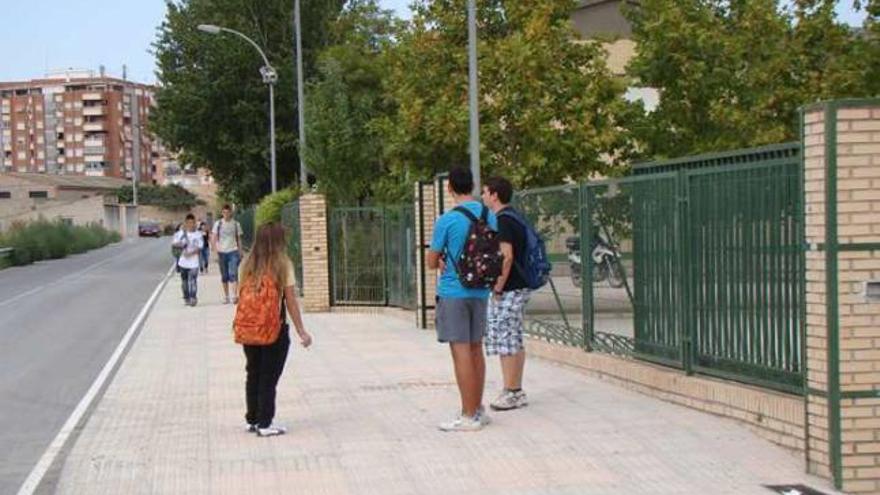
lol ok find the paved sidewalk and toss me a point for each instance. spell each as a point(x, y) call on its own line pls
point(362, 406)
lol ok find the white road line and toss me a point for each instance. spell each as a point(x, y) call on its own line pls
point(39, 471)
point(63, 279)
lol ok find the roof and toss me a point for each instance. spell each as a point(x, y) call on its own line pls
point(582, 4)
point(74, 81)
point(71, 181)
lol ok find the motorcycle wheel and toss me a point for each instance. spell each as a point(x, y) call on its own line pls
point(616, 276)
point(576, 275)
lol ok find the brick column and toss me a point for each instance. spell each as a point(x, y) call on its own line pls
point(842, 213)
point(426, 214)
point(315, 253)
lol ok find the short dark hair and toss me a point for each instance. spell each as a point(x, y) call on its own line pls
point(227, 207)
point(461, 180)
point(190, 216)
point(500, 186)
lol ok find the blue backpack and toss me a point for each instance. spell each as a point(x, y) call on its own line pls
point(536, 273)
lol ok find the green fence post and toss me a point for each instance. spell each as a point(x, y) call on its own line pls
point(685, 322)
point(585, 220)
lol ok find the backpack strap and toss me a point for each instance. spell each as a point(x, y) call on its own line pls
point(466, 212)
point(513, 214)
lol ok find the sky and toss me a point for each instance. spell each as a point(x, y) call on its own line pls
point(45, 35)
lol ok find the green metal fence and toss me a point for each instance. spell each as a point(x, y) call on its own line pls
point(290, 220)
point(357, 256)
point(696, 263)
point(400, 256)
point(373, 256)
point(245, 217)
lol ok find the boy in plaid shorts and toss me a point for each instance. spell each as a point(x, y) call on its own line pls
point(504, 326)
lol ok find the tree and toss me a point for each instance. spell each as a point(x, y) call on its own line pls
point(343, 148)
point(212, 104)
point(171, 197)
point(734, 73)
point(550, 109)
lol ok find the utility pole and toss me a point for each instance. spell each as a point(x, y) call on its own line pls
point(303, 171)
point(473, 93)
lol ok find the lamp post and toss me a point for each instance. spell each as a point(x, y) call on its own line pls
point(303, 173)
point(270, 77)
point(473, 93)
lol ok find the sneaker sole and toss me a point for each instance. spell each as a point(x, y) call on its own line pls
point(511, 408)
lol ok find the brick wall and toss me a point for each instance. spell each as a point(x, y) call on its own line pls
point(80, 212)
point(429, 211)
point(315, 253)
point(855, 157)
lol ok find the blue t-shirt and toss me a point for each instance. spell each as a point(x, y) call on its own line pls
point(450, 233)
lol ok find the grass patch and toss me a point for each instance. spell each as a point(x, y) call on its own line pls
point(45, 239)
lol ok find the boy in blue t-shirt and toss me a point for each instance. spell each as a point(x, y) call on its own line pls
point(461, 312)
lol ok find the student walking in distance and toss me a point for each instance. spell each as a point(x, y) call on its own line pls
point(205, 254)
point(188, 241)
point(267, 291)
point(504, 333)
point(227, 244)
point(461, 310)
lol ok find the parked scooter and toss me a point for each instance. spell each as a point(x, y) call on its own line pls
point(607, 265)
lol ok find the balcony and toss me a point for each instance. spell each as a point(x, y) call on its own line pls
point(93, 143)
point(94, 150)
point(94, 127)
point(94, 158)
point(96, 110)
point(92, 96)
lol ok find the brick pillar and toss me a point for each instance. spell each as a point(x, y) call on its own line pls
point(842, 207)
point(315, 253)
point(426, 214)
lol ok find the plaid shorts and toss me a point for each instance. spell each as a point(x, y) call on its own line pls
point(504, 326)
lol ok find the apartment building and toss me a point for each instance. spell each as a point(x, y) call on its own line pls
point(76, 123)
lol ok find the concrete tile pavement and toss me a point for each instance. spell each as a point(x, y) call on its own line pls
point(362, 406)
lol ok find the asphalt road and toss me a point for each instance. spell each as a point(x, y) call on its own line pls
point(60, 321)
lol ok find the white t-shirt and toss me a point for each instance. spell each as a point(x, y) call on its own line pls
point(194, 242)
point(227, 235)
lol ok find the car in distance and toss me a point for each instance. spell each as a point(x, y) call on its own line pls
point(149, 229)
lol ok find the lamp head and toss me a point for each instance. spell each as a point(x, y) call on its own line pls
point(209, 28)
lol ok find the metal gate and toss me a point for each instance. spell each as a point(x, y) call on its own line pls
point(400, 256)
point(291, 222)
point(372, 259)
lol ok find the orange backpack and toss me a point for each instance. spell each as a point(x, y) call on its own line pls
point(257, 317)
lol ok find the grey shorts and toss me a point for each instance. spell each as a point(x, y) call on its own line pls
point(460, 320)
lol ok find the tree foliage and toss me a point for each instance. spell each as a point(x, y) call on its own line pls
point(734, 73)
point(343, 148)
point(170, 197)
point(550, 109)
point(212, 103)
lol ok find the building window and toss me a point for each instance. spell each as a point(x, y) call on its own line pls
point(5, 194)
point(38, 194)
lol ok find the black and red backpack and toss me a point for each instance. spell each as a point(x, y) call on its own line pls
point(479, 264)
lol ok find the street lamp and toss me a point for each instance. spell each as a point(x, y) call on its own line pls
point(270, 77)
point(303, 175)
point(473, 93)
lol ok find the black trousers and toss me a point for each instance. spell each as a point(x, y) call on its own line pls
point(265, 363)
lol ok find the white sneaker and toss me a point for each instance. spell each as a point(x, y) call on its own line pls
point(463, 423)
point(271, 431)
point(484, 418)
point(508, 400)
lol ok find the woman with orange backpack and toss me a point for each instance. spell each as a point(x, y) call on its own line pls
point(266, 290)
